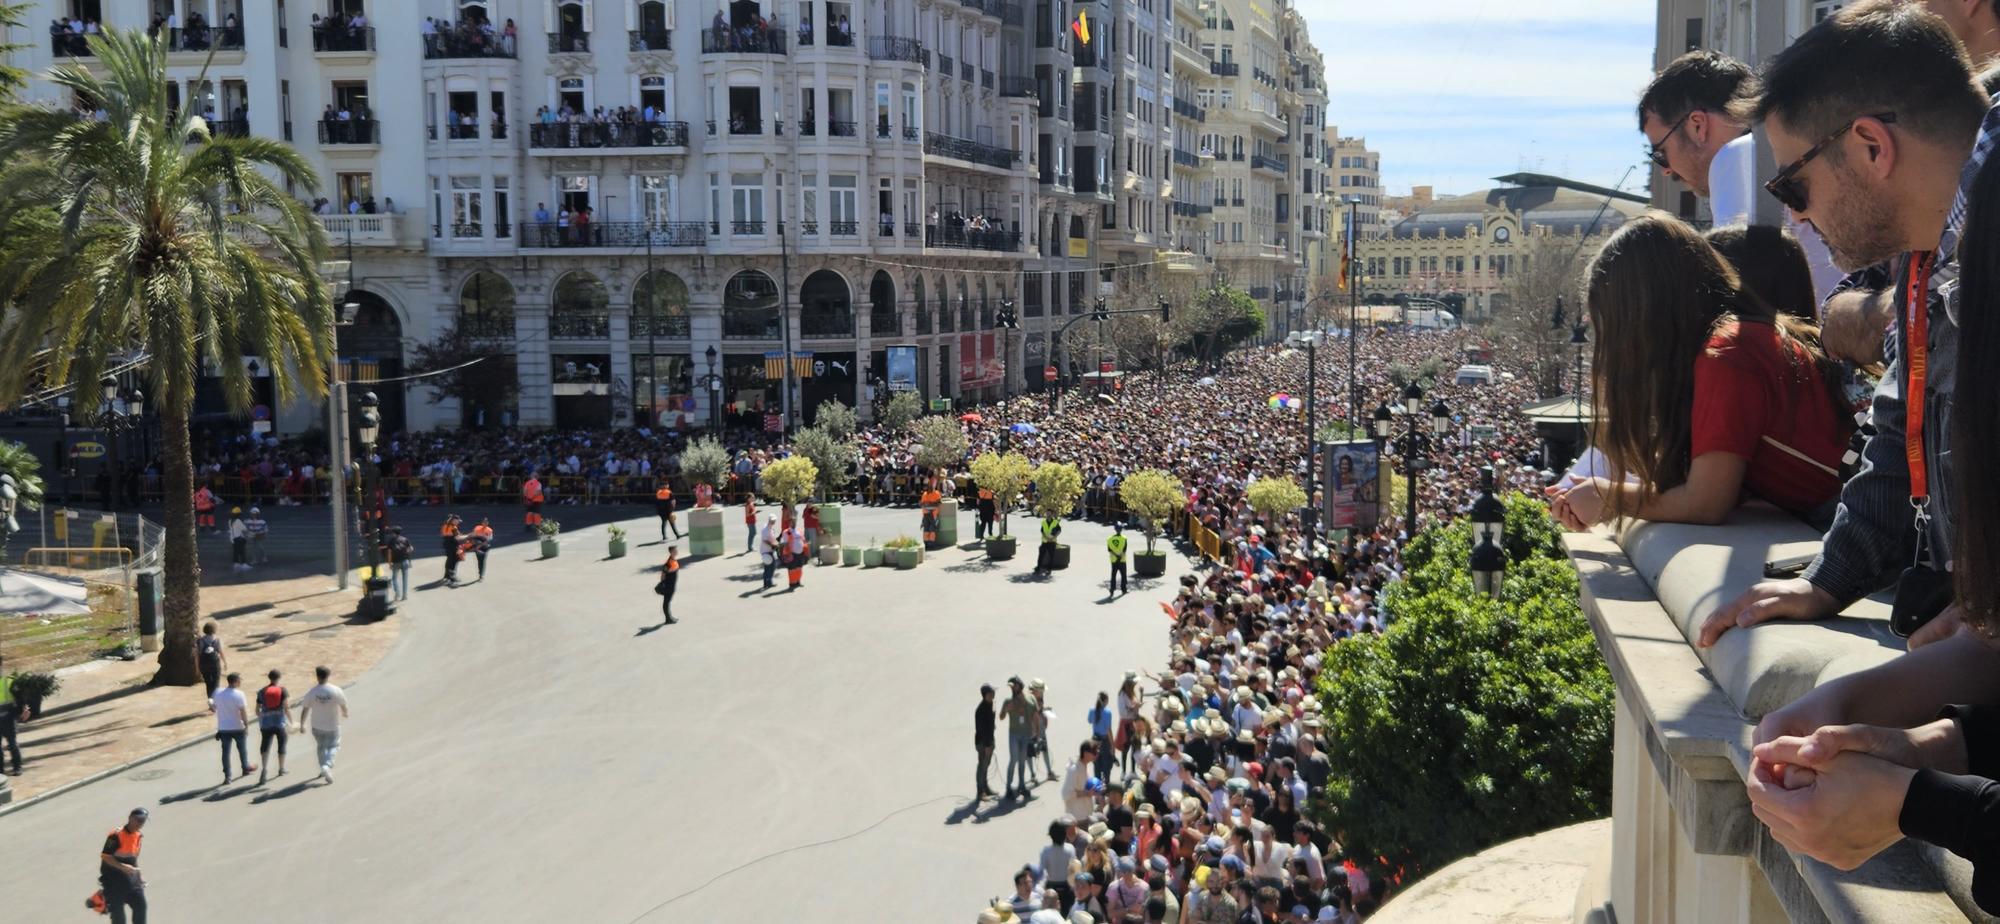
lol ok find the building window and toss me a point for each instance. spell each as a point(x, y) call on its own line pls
point(656, 199)
point(746, 197)
point(466, 211)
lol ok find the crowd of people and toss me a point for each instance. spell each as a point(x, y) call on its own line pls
point(471, 37)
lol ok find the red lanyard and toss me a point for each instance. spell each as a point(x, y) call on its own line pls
point(1916, 330)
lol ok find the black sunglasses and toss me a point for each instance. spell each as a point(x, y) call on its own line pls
point(1786, 188)
point(1658, 152)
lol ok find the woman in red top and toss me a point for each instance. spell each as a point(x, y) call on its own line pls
point(1703, 393)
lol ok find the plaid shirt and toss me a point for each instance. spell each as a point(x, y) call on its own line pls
point(1874, 534)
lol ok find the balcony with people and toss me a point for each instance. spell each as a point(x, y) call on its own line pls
point(340, 33)
point(743, 30)
point(348, 131)
point(562, 230)
point(950, 229)
point(471, 37)
point(623, 128)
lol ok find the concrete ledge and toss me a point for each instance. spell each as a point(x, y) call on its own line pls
point(1687, 848)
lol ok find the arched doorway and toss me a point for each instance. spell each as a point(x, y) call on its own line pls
point(579, 320)
point(923, 310)
point(488, 391)
point(486, 306)
point(750, 307)
point(579, 308)
point(826, 307)
point(662, 379)
point(371, 348)
point(883, 318)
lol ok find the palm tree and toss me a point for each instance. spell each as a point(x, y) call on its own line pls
point(143, 238)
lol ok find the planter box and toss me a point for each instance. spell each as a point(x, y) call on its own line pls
point(907, 559)
point(704, 534)
point(550, 548)
point(1149, 564)
point(850, 555)
point(1061, 557)
point(871, 558)
point(617, 548)
point(829, 522)
point(829, 554)
point(1001, 548)
point(947, 532)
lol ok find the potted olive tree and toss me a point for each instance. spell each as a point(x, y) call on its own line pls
point(833, 454)
point(705, 463)
point(941, 447)
point(1058, 486)
point(1152, 496)
point(551, 533)
point(1005, 475)
point(617, 534)
point(1273, 498)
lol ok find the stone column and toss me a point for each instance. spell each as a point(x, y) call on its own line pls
point(621, 367)
point(704, 331)
point(531, 366)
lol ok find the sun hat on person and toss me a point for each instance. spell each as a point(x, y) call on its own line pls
point(1232, 863)
point(998, 914)
point(1079, 916)
point(1098, 829)
point(1217, 774)
point(1125, 865)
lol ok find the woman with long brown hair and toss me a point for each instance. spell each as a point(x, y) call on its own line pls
point(1702, 393)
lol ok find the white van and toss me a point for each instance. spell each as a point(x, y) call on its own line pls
point(1474, 375)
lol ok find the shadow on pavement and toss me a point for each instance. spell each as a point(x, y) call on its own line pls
point(301, 786)
point(190, 794)
point(1000, 809)
point(975, 566)
point(649, 630)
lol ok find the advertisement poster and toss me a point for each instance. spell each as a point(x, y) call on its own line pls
point(1352, 484)
point(979, 361)
point(902, 368)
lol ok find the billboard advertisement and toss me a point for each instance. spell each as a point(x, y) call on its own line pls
point(979, 361)
point(1353, 484)
point(902, 368)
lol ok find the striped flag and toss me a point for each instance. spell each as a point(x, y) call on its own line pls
point(802, 364)
point(1347, 250)
point(1081, 27)
point(774, 365)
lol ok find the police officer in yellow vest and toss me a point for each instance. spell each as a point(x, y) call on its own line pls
point(1117, 545)
point(10, 712)
point(1045, 559)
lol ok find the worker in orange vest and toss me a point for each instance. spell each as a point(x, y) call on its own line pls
point(663, 504)
point(987, 510)
point(670, 576)
point(931, 501)
point(204, 507)
point(118, 870)
point(531, 502)
point(482, 542)
point(454, 552)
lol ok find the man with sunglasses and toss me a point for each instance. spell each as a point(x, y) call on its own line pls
point(1881, 167)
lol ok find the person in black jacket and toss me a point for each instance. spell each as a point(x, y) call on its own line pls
point(982, 738)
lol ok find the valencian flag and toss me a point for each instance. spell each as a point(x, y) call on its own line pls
point(774, 364)
point(1081, 27)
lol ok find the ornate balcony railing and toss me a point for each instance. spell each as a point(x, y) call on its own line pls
point(737, 41)
point(649, 40)
point(460, 131)
point(622, 234)
point(202, 38)
point(1224, 68)
point(673, 326)
point(971, 151)
point(569, 43)
point(843, 228)
point(565, 326)
point(467, 41)
point(608, 135)
point(350, 131)
point(343, 38)
point(958, 237)
point(841, 129)
point(71, 45)
point(1020, 87)
point(487, 327)
point(895, 48)
point(746, 227)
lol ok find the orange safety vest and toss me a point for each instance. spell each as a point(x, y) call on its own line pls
point(204, 499)
point(447, 530)
point(128, 844)
point(985, 493)
point(531, 491)
point(664, 493)
point(673, 564)
point(482, 531)
point(932, 497)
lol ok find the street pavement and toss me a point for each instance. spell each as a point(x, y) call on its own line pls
point(537, 747)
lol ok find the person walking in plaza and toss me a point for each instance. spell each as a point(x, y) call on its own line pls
point(810, 519)
point(1117, 545)
point(531, 502)
point(1102, 721)
point(211, 659)
point(239, 541)
point(448, 544)
point(204, 508)
point(932, 501)
point(232, 723)
point(259, 529)
point(1039, 692)
point(988, 512)
point(1079, 799)
point(792, 549)
point(482, 543)
point(767, 546)
point(1045, 558)
point(401, 551)
point(663, 505)
point(124, 890)
point(670, 576)
point(322, 710)
point(982, 739)
point(750, 525)
point(274, 719)
point(1018, 710)
point(11, 713)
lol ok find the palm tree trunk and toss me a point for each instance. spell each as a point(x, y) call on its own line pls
point(183, 565)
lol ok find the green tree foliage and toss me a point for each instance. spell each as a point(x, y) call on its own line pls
point(1470, 721)
point(1006, 475)
point(836, 419)
point(1153, 496)
point(705, 461)
point(12, 79)
point(476, 372)
point(144, 233)
point(1273, 498)
point(790, 480)
point(1218, 319)
point(16, 460)
point(902, 410)
point(941, 442)
point(1058, 486)
point(832, 455)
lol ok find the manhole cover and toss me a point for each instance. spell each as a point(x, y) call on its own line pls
point(144, 776)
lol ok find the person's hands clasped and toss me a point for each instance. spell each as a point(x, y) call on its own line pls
point(1937, 745)
point(1577, 506)
point(1790, 598)
point(1842, 814)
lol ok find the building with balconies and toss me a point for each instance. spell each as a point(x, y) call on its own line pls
point(1256, 126)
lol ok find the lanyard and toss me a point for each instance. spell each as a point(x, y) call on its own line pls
point(1916, 330)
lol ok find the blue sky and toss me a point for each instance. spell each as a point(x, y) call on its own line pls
point(1455, 92)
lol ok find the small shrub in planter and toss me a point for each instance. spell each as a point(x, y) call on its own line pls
point(908, 552)
point(850, 555)
point(32, 687)
point(617, 541)
point(1152, 496)
point(551, 533)
point(871, 557)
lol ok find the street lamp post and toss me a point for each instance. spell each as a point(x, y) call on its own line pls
point(1415, 442)
point(1008, 322)
point(713, 383)
point(1489, 527)
point(122, 411)
point(1310, 340)
point(375, 603)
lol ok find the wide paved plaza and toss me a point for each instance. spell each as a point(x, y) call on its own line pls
point(536, 748)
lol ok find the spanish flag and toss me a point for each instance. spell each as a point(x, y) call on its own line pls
point(1081, 27)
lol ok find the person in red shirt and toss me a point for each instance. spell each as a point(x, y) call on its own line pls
point(1704, 394)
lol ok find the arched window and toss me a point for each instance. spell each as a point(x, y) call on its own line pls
point(572, 30)
point(883, 318)
point(923, 310)
point(945, 318)
point(826, 306)
point(486, 305)
point(579, 308)
point(750, 307)
point(659, 306)
point(964, 308)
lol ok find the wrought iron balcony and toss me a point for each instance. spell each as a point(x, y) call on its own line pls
point(487, 327)
point(203, 38)
point(844, 228)
point(746, 227)
point(1224, 68)
point(349, 131)
point(841, 129)
point(959, 237)
point(579, 326)
point(461, 131)
point(742, 42)
point(671, 325)
point(569, 43)
point(1020, 87)
point(621, 234)
point(71, 45)
point(649, 40)
point(608, 135)
point(971, 151)
point(343, 38)
point(894, 48)
point(467, 41)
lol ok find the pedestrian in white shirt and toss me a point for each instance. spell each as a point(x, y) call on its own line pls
point(1078, 798)
point(232, 721)
point(323, 709)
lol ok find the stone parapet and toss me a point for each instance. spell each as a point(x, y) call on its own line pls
point(1686, 847)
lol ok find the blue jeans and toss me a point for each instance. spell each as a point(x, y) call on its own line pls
point(329, 746)
point(399, 579)
point(1017, 760)
point(750, 541)
point(242, 749)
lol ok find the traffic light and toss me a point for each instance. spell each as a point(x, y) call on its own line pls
point(1166, 311)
